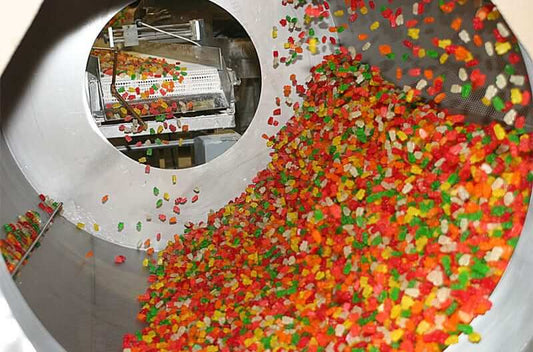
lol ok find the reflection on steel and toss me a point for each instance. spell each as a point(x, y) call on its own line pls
point(37, 239)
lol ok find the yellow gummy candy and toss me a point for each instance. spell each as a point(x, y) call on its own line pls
point(422, 327)
point(499, 132)
point(413, 33)
point(407, 302)
point(313, 45)
point(502, 48)
point(444, 43)
point(415, 169)
point(401, 135)
point(516, 96)
point(396, 335)
point(395, 311)
point(452, 340)
point(474, 337)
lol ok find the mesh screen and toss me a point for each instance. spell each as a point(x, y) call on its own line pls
point(441, 28)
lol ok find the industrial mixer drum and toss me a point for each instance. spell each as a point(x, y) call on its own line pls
point(72, 295)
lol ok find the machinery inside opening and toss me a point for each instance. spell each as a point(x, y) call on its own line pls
point(173, 84)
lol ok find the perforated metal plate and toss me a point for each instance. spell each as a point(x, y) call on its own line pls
point(404, 59)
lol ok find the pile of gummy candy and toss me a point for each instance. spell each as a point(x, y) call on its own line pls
point(379, 225)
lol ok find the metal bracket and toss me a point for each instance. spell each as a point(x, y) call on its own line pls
point(132, 34)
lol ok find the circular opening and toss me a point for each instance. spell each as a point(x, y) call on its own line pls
point(173, 85)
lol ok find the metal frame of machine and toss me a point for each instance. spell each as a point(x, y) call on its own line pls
point(210, 80)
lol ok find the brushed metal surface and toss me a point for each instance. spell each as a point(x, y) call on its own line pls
point(49, 144)
point(26, 332)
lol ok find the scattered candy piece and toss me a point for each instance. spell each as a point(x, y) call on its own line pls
point(517, 80)
point(120, 259)
point(489, 49)
point(464, 36)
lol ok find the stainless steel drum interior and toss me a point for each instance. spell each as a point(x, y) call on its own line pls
point(64, 301)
